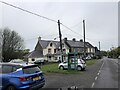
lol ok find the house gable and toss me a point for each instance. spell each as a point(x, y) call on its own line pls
point(38, 47)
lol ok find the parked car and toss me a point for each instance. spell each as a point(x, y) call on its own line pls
point(16, 76)
point(119, 57)
point(88, 58)
point(17, 61)
point(40, 61)
point(80, 66)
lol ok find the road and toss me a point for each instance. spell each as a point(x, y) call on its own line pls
point(107, 76)
point(103, 74)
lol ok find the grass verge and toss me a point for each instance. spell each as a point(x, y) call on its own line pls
point(91, 62)
point(53, 68)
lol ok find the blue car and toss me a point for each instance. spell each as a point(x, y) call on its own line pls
point(15, 76)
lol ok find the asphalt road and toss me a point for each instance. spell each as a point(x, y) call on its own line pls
point(103, 74)
point(107, 76)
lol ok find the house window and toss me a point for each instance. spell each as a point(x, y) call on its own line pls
point(62, 44)
point(33, 59)
point(54, 50)
point(49, 50)
point(50, 44)
point(49, 57)
point(64, 50)
point(64, 58)
point(55, 58)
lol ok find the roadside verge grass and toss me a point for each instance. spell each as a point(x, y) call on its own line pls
point(91, 62)
point(53, 68)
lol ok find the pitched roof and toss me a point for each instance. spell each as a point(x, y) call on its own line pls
point(89, 45)
point(44, 43)
point(76, 44)
point(56, 43)
point(71, 43)
point(35, 54)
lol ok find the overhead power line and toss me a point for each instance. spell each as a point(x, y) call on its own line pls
point(75, 32)
point(40, 16)
point(71, 29)
point(27, 11)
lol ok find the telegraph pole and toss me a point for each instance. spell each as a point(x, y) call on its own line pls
point(99, 50)
point(84, 37)
point(99, 45)
point(60, 36)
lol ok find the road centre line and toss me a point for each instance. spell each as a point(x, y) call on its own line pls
point(101, 66)
point(96, 78)
point(93, 84)
point(97, 74)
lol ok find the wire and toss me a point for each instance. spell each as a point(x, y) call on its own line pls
point(75, 32)
point(76, 24)
point(28, 11)
point(40, 16)
point(71, 29)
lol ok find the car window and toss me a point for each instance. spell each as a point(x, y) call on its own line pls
point(64, 62)
point(14, 69)
point(31, 70)
point(82, 61)
point(6, 69)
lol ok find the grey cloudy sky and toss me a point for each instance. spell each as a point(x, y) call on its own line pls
point(101, 21)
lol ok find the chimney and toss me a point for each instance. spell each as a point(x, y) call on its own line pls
point(74, 39)
point(65, 39)
point(39, 38)
point(81, 40)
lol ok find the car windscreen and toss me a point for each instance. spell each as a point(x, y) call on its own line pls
point(31, 69)
point(82, 61)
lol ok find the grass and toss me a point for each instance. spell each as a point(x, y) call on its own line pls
point(91, 62)
point(53, 68)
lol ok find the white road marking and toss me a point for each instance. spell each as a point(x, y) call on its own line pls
point(101, 66)
point(98, 74)
point(96, 78)
point(93, 84)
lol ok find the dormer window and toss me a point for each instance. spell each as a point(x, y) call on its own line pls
point(50, 44)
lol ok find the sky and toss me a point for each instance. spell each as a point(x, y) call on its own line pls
point(101, 20)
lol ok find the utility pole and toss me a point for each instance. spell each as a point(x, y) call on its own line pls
point(99, 50)
point(99, 45)
point(84, 37)
point(60, 36)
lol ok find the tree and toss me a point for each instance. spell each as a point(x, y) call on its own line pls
point(103, 53)
point(114, 53)
point(11, 45)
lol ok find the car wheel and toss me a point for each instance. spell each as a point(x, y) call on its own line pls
point(11, 87)
point(61, 67)
point(79, 68)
